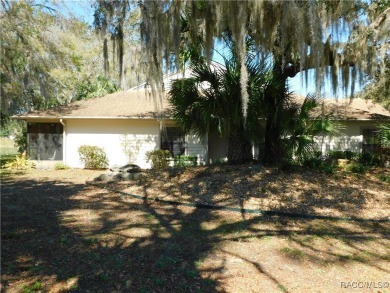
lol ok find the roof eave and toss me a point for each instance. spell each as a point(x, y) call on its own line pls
point(90, 117)
point(361, 119)
point(34, 117)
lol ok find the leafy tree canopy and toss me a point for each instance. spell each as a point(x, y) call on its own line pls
point(45, 56)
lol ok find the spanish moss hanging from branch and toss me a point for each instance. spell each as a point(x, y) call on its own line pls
point(299, 35)
point(115, 21)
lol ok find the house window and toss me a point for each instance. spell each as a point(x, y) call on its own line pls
point(173, 140)
point(44, 141)
point(370, 140)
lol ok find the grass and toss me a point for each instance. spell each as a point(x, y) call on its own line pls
point(384, 178)
point(293, 253)
point(37, 286)
point(8, 151)
point(7, 147)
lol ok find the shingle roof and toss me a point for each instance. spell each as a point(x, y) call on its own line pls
point(350, 109)
point(125, 104)
point(141, 104)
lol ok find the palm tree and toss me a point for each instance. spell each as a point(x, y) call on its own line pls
point(384, 135)
point(273, 103)
point(299, 128)
point(211, 101)
point(384, 140)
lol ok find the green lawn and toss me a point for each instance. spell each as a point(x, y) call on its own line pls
point(8, 151)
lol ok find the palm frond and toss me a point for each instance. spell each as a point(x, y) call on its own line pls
point(384, 135)
point(300, 128)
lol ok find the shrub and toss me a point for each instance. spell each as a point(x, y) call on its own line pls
point(336, 154)
point(384, 135)
point(158, 158)
point(349, 155)
point(21, 141)
point(20, 163)
point(60, 166)
point(356, 168)
point(93, 157)
point(320, 164)
point(370, 159)
point(185, 161)
point(312, 162)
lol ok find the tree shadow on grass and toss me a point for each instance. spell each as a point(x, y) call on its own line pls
point(80, 238)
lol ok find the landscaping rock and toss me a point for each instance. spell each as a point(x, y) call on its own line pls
point(118, 177)
point(104, 177)
point(130, 176)
point(129, 168)
point(127, 172)
point(115, 169)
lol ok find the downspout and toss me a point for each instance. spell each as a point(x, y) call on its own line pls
point(64, 141)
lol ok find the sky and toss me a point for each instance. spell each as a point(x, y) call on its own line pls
point(296, 85)
point(82, 9)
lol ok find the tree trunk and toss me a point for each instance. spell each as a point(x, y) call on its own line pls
point(273, 154)
point(239, 147)
point(272, 147)
point(274, 99)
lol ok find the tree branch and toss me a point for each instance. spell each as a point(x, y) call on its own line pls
point(294, 67)
point(380, 19)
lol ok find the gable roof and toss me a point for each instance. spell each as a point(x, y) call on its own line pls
point(130, 104)
point(140, 104)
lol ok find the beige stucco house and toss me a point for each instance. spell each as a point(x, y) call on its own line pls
point(135, 118)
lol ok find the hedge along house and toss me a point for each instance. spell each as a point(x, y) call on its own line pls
point(128, 124)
